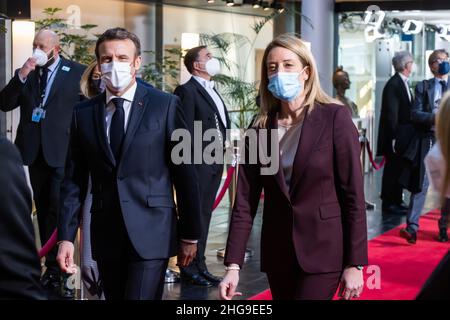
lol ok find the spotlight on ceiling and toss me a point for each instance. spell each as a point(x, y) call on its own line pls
point(230, 3)
point(256, 4)
point(265, 5)
point(210, 1)
point(277, 6)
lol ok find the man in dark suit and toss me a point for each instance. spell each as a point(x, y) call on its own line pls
point(203, 105)
point(122, 138)
point(394, 124)
point(19, 263)
point(428, 94)
point(46, 88)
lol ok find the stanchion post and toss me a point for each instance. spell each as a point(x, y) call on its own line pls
point(363, 139)
point(232, 192)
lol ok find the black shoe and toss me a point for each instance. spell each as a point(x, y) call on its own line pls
point(67, 287)
point(196, 279)
point(395, 209)
point(409, 234)
point(210, 277)
point(50, 281)
point(443, 236)
point(171, 276)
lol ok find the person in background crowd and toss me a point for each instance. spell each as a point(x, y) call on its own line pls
point(341, 83)
point(437, 163)
point(19, 263)
point(428, 94)
point(46, 89)
point(134, 225)
point(202, 102)
point(314, 233)
point(394, 128)
point(91, 85)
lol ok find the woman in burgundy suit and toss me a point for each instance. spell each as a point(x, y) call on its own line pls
point(314, 233)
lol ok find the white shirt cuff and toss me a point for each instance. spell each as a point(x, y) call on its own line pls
point(189, 241)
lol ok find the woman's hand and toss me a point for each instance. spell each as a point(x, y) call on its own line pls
point(352, 283)
point(228, 285)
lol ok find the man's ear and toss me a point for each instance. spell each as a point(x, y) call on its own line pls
point(137, 62)
point(196, 66)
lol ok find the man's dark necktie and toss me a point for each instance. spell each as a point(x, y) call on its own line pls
point(444, 86)
point(117, 128)
point(43, 73)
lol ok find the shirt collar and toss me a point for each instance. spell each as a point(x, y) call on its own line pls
point(404, 78)
point(205, 83)
point(53, 66)
point(439, 80)
point(128, 95)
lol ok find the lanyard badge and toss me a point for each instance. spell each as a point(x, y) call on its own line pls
point(38, 114)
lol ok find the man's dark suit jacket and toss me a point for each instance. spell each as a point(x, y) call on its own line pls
point(19, 263)
point(395, 117)
point(140, 186)
point(422, 119)
point(320, 219)
point(199, 106)
point(53, 131)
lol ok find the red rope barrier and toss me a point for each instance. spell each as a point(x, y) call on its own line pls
point(54, 237)
point(225, 186)
point(49, 245)
point(376, 166)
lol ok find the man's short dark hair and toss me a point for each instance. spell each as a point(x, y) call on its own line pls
point(433, 56)
point(191, 57)
point(118, 34)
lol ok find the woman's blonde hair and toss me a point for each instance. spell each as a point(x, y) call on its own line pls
point(85, 82)
point(443, 136)
point(313, 90)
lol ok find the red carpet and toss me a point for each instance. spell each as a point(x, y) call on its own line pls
point(404, 268)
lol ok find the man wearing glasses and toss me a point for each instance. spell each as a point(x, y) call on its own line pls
point(428, 95)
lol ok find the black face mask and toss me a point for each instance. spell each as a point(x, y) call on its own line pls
point(96, 86)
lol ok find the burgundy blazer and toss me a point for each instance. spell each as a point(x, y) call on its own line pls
point(320, 220)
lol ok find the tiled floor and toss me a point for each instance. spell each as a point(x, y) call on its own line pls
point(252, 281)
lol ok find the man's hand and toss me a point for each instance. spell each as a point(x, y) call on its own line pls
point(65, 257)
point(27, 67)
point(186, 253)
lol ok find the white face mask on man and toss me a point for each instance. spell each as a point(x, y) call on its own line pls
point(41, 56)
point(117, 75)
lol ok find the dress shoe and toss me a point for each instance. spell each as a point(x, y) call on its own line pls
point(443, 236)
point(409, 234)
point(395, 209)
point(50, 281)
point(171, 276)
point(210, 277)
point(196, 279)
point(67, 287)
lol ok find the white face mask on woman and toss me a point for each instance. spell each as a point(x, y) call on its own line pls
point(117, 75)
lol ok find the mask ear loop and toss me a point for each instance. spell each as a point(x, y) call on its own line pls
point(303, 70)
